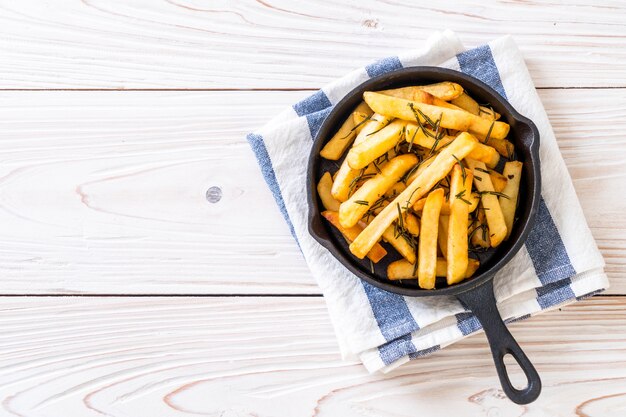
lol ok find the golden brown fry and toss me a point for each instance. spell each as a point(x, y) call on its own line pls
point(502, 146)
point(354, 208)
point(487, 113)
point(402, 269)
point(411, 224)
point(346, 175)
point(323, 189)
point(395, 190)
point(467, 103)
point(417, 137)
point(513, 173)
point(445, 91)
point(375, 145)
point(420, 168)
point(419, 206)
point(452, 119)
point(479, 231)
point(350, 233)
point(493, 212)
point(337, 145)
point(400, 244)
point(442, 236)
point(437, 170)
point(427, 251)
point(486, 154)
point(498, 180)
point(460, 192)
point(474, 200)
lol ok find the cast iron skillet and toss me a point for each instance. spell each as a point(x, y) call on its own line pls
point(477, 292)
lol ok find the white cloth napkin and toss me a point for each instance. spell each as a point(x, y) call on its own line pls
point(559, 264)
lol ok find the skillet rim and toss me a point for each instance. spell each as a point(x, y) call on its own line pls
point(329, 125)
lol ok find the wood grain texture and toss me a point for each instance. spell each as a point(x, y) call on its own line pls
point(285, 44)
point(105, 192)
point(224, 357)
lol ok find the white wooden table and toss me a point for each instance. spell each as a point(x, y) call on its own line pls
point(126, 293)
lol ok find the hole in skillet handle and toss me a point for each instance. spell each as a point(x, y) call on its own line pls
point(482, 302)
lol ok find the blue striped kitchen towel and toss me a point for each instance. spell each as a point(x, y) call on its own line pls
point(559, 263)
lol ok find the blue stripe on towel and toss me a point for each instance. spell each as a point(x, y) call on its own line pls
point(383, 66)
point(316, 119)
point(467, 323)
point(256, 142)
point(544, 244)
point(555, 293)
point(546, 249)
point(391, 312)
point(424, 352)
point(311, 104)
point(394, 350)
point(479, 63)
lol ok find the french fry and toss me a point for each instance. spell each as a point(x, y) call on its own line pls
point(337, 145)
point(513, 172)
point(422, 184)
point(345, 175)
point(487, 113)
point(419, 206)
point(375, 145)
point(493, 212)
point(418, 171)
point(359, 120)
point(456, 254)
point(350, 233)
point(354, 208)
point(486, 154)
point(417, 137)
point(402, 269)
point(442, 236)
point(475, 199)
point(479, 231)
point(323, 189)
point(427, 250)
point(452, 119)
point(445, 91)
point(502, 146)
point(467, 103)
point(498, 180)
point(411, 224)
point(400, 244)
point(416, 94)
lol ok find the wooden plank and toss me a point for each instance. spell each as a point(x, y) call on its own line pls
point(104, 192)
point(285, 44)
point(224, 357)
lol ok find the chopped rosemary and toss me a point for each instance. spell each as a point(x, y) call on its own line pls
point(358, 125)
point(376, 131)
point(496, 193)
point(511, 176)
point(376, 167)
point(462, 167)
point(408, 202)
point(489, 132)
point(400, 219)
point(371, 266)
point(481, 170)
point(460, 197)
point(412, 139)
point(410, 172)
point(361, 202)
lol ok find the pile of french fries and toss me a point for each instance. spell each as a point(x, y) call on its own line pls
point(420, 173)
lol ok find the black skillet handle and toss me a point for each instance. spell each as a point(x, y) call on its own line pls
point(482, 302)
